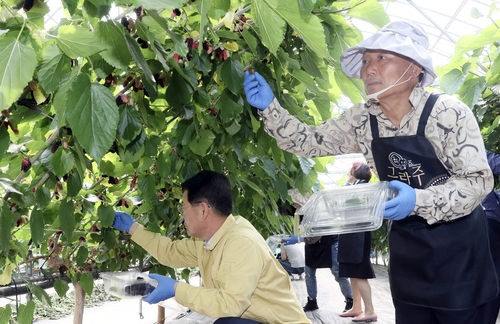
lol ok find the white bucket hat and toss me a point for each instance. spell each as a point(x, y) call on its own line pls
point(401, 37)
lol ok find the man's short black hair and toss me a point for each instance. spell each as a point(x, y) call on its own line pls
point(363, 173)
point(212, 188)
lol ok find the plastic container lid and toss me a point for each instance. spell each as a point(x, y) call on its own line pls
point(350, 209)
point(128, 284)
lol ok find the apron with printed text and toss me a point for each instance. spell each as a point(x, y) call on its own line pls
point(445, 265)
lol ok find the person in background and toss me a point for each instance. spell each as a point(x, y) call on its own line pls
point(491, 206)
point(430, 149)
point(292, 258)
point(320, 252)
point(354, 258)
point(242, 280)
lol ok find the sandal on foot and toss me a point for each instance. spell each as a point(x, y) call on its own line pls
point(366, 319)
point(351, 313)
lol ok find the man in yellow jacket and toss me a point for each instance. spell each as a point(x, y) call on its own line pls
point(242, 280)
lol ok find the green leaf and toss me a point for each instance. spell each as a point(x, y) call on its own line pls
point(9, 185)
point(108, 236)
point(87, 283)
point(67, 218)
point(160, 4)
point(54, 66)
point(204, 7)
point(60, 97)
point(106, 215)
point(4, 141)
point(129, 125)
point(232, 75)
point(40, 293)
point(42, 197)
point(371, 11)
point(471, 90)
point(17, 64)
point(37, 226)
point(25, 313)
point(270, 24)
point(5, 314)
point(81, 256)
point(61, 287)
point(147, 185)
point(6, 226)
point(452, 81)
point(114, 43)
point(78, 42)
point(178, 92)
point(71, 5)
point(310, 30)
point(92, 115)
point(139, 59)
point(201, 144)
point(62, 161)
point(74, 184)
point(250, 40)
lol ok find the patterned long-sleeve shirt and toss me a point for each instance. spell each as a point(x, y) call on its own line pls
point(451, 129)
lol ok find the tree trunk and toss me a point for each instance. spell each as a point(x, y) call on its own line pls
point(79, 304)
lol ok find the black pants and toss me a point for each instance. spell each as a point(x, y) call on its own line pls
point(494, 238)
point(235, 320)
point(411, 314)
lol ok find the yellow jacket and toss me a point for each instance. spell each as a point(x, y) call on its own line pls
point(241, 277)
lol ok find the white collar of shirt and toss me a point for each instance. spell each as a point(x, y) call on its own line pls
point(207, 243)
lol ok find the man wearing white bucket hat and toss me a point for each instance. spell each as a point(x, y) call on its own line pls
point(430, 148)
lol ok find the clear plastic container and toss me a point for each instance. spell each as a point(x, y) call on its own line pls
point(128, 284)
point(350, 209)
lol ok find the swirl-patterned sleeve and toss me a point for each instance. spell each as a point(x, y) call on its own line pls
point(451, 129)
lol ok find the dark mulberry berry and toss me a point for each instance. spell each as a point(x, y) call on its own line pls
point(55, 146)
point(176, 12)
point(28, 4)
point(124, 22)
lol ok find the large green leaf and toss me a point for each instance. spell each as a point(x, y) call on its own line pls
point(232, 74)
point(67, 218)
point(371, 11)
point(53, 68)
point(453, 80)
point(17, 64)
point(204, 7)
point(6, 226)
point(106, 215)
point(40, 294)
point(114, 43)
point(270, 24)
point(81, 256)
point(160, 4)
point(309, 30)
point(37, 226)
point(62, 161)
point(61, 287)
point(25, 313)
point(147, 185)
point(201, 144)
point(129, 125)
point(78, 42)
point(92, 115)
point(9, 185)
point(61, 96)
point(139, 59)
point(5, 314)
point(471, 90)
point(87, 283)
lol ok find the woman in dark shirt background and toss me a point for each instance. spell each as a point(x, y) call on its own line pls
point(354, 259)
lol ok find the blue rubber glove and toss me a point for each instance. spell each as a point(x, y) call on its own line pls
point(403, 204)
point(122, 221)
point(291, 240)
point(257, 90)
point(164, 290)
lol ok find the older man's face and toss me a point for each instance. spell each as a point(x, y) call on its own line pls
point(381, 69)
point(191, 216)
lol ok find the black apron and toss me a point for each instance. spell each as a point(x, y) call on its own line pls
point(446, 265)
